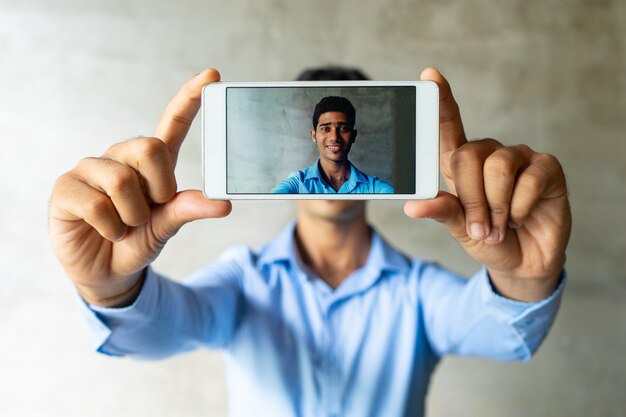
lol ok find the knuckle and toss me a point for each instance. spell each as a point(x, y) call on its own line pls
point(451, 112)
point(549, 160)
point(97, 208)
point(184, 118)
point(462, 155)
point(190, 88)
point(151, 148)
point(85, 163)
point(115, 148)
point(532, 181)
point(59, 189)
point(502, 162)
point(523, 148)
point(490, 142)
point(123, 180)
point(63, 180)
point(499, 209)
point(473, 205)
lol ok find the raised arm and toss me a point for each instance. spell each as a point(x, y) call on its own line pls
point(506, 205)
point(110, 216)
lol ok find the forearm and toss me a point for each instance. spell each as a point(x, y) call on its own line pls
point(472, 318)
point(169, 317)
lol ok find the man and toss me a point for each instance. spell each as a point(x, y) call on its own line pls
point(327, 319)
point(333, 132)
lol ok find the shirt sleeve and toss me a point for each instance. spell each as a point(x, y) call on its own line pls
point(170, 317)
point(287, 186)
point(469, 318)
point(382, 187)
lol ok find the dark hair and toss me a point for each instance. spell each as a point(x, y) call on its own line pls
point(332, 73)
point(334, 103)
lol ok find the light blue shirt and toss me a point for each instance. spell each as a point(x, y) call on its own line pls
point(295, 347)
point(309, 181)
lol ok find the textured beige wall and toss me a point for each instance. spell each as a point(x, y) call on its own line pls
point(76, 76)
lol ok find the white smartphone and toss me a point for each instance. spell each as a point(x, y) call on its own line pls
point(321, 140)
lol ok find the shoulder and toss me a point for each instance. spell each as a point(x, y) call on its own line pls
point(230, 266)
point(289, 184)
point(240, 254)
point(381, 186)
point(374, 184)
point(417, 272)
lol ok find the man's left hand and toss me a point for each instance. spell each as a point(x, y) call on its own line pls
point(506, 205)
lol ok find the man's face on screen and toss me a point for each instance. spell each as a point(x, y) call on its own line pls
point(334, 136)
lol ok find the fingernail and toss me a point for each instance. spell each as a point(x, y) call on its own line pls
point(477, 231)
point(494, 236)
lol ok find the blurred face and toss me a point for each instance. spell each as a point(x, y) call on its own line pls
point(334, 136)
point(332, 210)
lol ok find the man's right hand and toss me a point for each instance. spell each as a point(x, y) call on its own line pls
point(110, 216)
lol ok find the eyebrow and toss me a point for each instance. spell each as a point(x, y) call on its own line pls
point(330, 124)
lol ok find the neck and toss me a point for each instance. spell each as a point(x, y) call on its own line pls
point(336, 173)
point(333, 248)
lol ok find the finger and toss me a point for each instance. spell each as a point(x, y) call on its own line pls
point(500, 172)
point(180, 112)
point(467, 170)
point(187, 206)
point(75, 200)
point(120, 183)
point(451, 132)
point(542, 179)
point(445, 209)
point(151, 159)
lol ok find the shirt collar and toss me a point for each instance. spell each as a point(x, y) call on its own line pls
point(313, 172)
point(357, 175)
point(382, 257)
point(281, 248)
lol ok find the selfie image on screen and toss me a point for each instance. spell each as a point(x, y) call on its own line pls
point(320, 140)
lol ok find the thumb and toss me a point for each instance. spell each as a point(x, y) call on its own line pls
point(445, 209)
point(185, 207)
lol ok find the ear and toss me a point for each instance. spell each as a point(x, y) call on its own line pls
point(312, 133)
point(354, 132)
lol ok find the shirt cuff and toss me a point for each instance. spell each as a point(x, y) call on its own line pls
point(531, 320)
point(101, 321)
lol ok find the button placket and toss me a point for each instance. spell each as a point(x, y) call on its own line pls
point(332, 367)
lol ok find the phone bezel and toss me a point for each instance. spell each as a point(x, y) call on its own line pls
point(426, 136)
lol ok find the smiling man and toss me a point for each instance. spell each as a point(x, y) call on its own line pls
point(333, 132)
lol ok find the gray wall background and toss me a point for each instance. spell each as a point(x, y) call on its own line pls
point(268, 134)
point(76, 76)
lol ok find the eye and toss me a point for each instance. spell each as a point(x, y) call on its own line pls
point(325, 129)
point(344, 129)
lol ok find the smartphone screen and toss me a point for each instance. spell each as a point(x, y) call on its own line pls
point(277, 143)
point(320, 140)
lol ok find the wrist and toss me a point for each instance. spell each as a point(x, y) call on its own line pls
point(120, 294)
point(522, 288)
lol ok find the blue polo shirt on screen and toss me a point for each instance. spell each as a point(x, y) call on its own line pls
point(309, 181)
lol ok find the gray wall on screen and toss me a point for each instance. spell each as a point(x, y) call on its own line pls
point(268, 134)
